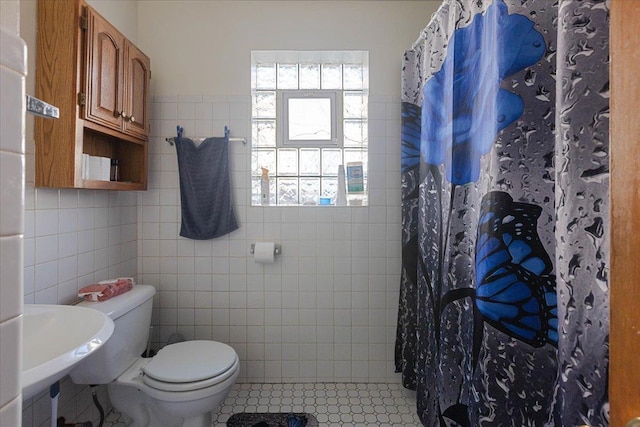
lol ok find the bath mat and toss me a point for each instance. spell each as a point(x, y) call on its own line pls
point(264, 419)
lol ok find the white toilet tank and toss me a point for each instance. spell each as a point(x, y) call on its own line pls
point(131, 314)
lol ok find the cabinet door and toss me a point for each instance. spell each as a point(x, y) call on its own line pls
point(104, 72)
point(136, 99)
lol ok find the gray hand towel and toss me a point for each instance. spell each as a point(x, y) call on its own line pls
point(205, 189)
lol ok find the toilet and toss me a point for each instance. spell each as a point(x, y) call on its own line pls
point(178, 387)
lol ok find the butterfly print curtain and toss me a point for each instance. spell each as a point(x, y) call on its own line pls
point(504, 309)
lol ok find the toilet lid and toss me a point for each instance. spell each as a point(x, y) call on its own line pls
point(190, 361)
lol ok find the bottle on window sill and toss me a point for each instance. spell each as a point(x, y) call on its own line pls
point(264, 187)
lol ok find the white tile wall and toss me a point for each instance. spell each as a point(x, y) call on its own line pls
point(73, 238)
point(326, 309)
point(12, 83)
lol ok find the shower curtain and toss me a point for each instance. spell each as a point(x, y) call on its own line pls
point(504, 310)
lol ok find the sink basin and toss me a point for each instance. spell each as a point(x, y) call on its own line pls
point(55, 338)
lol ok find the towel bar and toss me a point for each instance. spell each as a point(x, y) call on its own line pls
point(243, 140)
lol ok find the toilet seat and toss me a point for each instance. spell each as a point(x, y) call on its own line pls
point(190, 365)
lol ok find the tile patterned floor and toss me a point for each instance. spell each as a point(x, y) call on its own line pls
point(334, 405)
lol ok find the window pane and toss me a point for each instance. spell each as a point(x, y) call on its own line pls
point(309, 191)
point(264, 105)
point(266, 76)
point(331, 159)
point(309, 119)
point(355, 106)
point(352, 76)
point(255, 166)
point(264, 133)
point(272, 192)
point(310, 161)
point(356, 156)
point(287, 191)
point(309, 76)
point(329, 188)
point(265, 159)
point(331, 76)
point(287, 76)
point(287, 161)
point(355, 133)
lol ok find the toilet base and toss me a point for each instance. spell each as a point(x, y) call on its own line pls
point(140, 410)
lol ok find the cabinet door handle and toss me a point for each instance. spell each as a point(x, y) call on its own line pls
point(124, 115)
point(132, 119)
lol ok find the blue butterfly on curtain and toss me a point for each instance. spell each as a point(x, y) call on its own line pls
point(515, 292)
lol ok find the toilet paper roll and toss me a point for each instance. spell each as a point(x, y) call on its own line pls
point(264, 252)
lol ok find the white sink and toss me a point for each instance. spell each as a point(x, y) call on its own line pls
point(55, 338)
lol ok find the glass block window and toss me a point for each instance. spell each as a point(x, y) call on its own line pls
point(309, 116)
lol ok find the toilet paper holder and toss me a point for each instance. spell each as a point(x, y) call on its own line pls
point(277, 249)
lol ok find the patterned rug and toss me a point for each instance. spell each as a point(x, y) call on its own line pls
point(265, 419)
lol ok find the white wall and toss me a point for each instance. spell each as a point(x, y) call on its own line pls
point(326, 310)
point(10, 16)
point(203, 47)
point(122, 14)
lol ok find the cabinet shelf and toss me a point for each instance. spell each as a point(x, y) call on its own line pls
point(111, 185)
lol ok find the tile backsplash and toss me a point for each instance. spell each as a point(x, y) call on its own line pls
point(73, 238)
point(326, 309)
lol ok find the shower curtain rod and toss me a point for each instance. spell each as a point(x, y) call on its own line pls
point(423, 32)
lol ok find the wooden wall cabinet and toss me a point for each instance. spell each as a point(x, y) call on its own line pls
point(100, 82)
point(117, 82)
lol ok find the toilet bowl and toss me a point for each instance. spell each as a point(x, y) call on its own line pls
point(178, 387)
point(168, 389)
